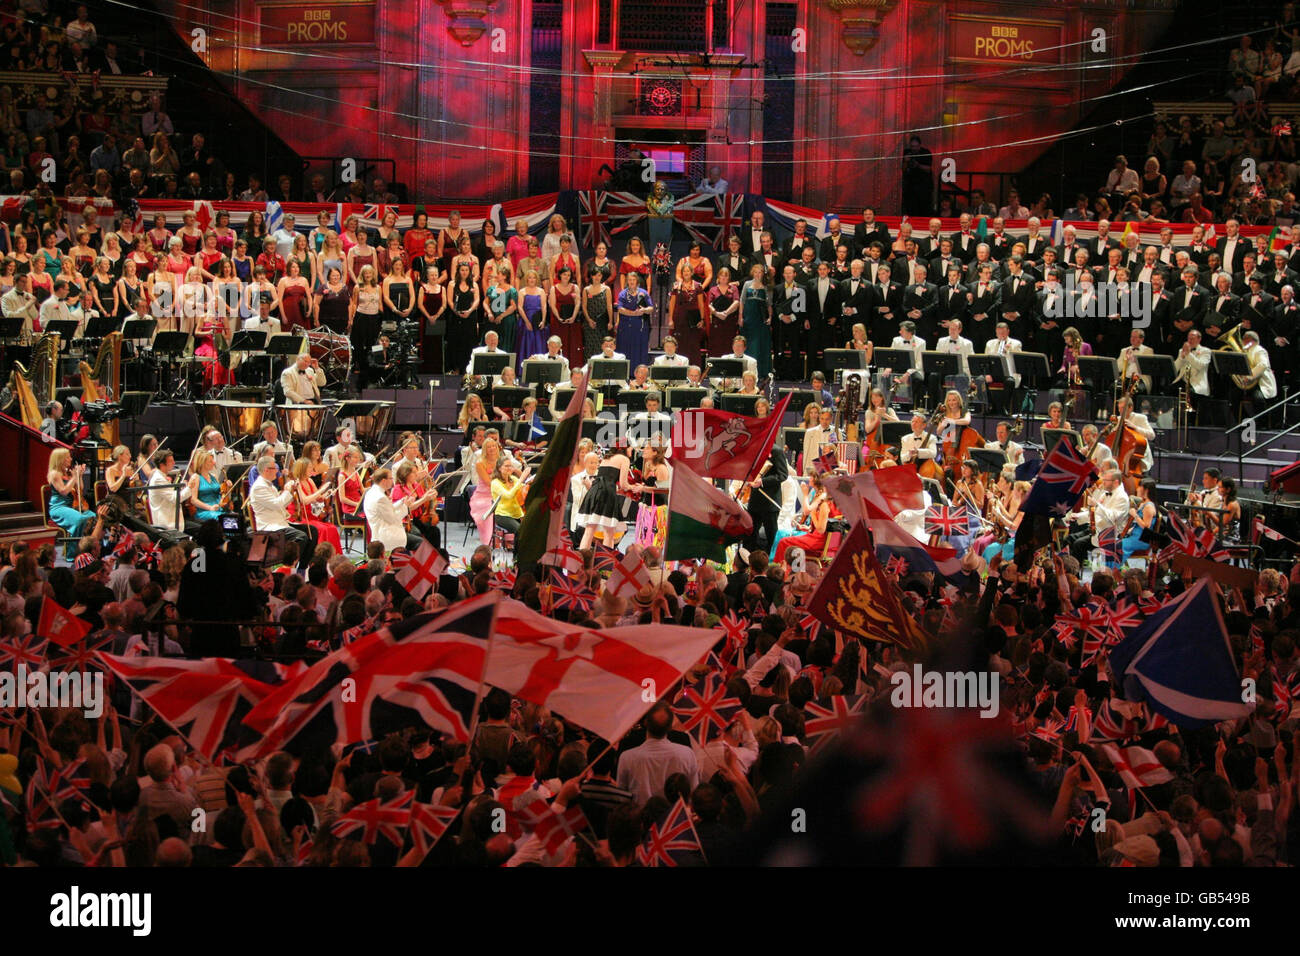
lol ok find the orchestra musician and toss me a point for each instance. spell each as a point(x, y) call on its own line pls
point(1142, 515)
point(344, 441)
point(1056, 418)
point(1002, 344)
point(385, 518)
point(165, 502)
point(118, 475)
point(480, 502)
point(269, 506)
point(918, 445)
point(1068, 372)
point(1260, 385)
point(308, 504)
point(508, 491)
point(349, 483)
point(876, 412)
point(270, 443)
point(670, 354)
point(67, 503)
point(1107, 507)
point(909, 340)
point(205, 488)
point(811, 533)
point(1229, 523)
point(817, 438)
point(1014, 451)
point(1140, 424)
point(1207, 497)
point(749, 364)
point(1100, 453)
point(410, 482)
point(1128, 361)
point(215, 442)
point(553, 353)
point(144, 456)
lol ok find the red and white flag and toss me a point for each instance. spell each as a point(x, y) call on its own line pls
point(603, 680)
point(553, 825)
point(60, 625)
point(429, 821)
point(419, 572)
point(629, 575)
point(717, 444)
point(1136, 766)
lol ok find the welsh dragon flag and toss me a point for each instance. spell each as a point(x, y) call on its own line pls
point(543, 521)
point(702, 521)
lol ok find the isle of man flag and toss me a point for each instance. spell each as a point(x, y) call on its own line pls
point(702, 521)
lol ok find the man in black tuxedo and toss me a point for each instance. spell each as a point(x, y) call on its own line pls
point(734, 260)
point(1160, 304)
point(869, 230)
point(1257, 311)
point(1102, 243)
point(1232, 247)
point(793, 250)
point(997, 240)
point(806, 268)
point(836, 237)
point(1108, 273)
point(1222, 308)
point(921, 300)
point(751, 236)
point(826, 327)
point(941, 263)
point(964, 240)
point(1198, 250)
point(1050, 308)
point(1034, 242)
point(856, 301)
point(904, 266)
point(1241, 278)
point(1149, 266)
point(1281, 275)
point(985, 306)
point(1018, 297)
point(1065, 252)
point(886, 305)
point(952, 301)
point(1284, 336)
point(1186, 310)
point(789, 314)
point(929, 244)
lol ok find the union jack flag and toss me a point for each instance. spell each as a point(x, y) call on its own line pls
point(1049, 730)
point(552, 825)
point(811, 625)
point(568, 593)
point(736, 628)
point(946, 521)
point(428, 822)
point(28, 649)
point(503, 581)
point(705, 709)
point(897, 565)
point(592, 218)
point(1125, 616)
point(82, 655)
point(376, 818)
point(621, 210)
point(48, 789)
point(673, 836)
point(1184, 539)
point(826, 463)
point(1065, 475)
point(825, 720)
point(1113, 725)
point(708, 217)
point(1111, 542)
point(1072, 719)
point(604, 558)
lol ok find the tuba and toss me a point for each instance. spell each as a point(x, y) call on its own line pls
point(1231, 340)
point(34, 389)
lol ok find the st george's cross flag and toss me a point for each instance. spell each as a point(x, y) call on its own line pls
point(702, 521)
point(540, 529)
point(1136, 766)
point(418, 573)
point(629, 575)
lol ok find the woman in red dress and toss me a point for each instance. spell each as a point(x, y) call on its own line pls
point(190, 234)
point(724, 314)
point(417, 236)
point(449, 243)
point(208, 257)
point(143, 256)
point(423, 518)
point(687, 309)
point(295, 300)
point(812, 530)
point(567, 324)
point(348, 481)
point(635, 261)
point(309, 504)
point(431, 302)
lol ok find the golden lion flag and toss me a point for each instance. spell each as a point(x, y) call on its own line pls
point(858, 597)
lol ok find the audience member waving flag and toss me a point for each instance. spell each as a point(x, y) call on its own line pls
point(542, 525)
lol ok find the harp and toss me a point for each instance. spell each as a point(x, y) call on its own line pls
point(104, 382)
point(34, 389)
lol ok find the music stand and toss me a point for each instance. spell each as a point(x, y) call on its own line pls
point(989, 460)
point(1032, 367)
point(510, 396)
point(11, 327)
point(668, 373)
point(992, 365)
point(892, 433)
point(1159, 368)
point(65, 328)
point(1098, 371)
point(591, 427)
point(1230, 363)
point(138, 330)
point(237, 471)
point(631, 400)
point(285, 343)
point(542, 372)
point(792, 439)
point(489, 363)
point(800, 398)
point(101, 326)
point(135, 403)
point(741, 404)
point(244, 340)
point(849, 359)
point(171, 343)
point(684, 397)
point(726, 368)
point(562, 396)
point(1052, 436)
point(940, 364)
point(610, 370)
point(896, 359)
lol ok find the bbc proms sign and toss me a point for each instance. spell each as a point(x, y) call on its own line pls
point(298, 24)
point(995, 40)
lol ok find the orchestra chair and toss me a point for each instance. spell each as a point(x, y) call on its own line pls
point(350, 525)
point(832, 545)
point(101, 492)
point(59, 537)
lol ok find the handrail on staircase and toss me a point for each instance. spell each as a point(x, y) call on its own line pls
point(1240, 429)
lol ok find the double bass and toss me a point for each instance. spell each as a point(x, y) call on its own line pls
point(956, 447)
point(930, 467)
point(1126, 444)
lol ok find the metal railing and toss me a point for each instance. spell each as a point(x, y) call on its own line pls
point(1241, 428)
point(365, 168)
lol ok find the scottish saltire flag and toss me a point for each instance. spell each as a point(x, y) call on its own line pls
point(1180, 661)
point(274, 216)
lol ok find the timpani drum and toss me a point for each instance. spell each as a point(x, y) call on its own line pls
point(301, 423)
point(370, 429)
point(334, 353)
point(242, 420)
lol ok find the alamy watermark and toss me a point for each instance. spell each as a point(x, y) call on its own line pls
point(946, 689)
point(1132, 301)
point(78, 690)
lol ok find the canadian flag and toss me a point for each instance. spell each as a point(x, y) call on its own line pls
point(60, 625)
point(603, 680)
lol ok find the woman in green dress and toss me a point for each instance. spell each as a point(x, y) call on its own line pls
point(756, 326)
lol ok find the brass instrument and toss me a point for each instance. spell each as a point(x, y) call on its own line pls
point(104, 383)
point(1232, 343)
point(847, 406)
point(35, 389)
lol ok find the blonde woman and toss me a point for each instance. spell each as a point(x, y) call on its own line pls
point(205, 487)
point(480, 502)
point(472, 411)
point(117, 476)
point(64, 480)
point(367, 301)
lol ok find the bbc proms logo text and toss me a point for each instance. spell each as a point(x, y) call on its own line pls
point(75, 909)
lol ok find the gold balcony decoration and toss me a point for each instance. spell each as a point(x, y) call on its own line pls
point(466, 16)
point(860, 21)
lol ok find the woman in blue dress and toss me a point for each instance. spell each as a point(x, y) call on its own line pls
point(756, 324)
point(205, 487)
point(632, 321)
point(534, 323)
point(64, 480)
point(502, 311)
point(1143, 515)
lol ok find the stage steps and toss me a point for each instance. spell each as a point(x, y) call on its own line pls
point(21, 520)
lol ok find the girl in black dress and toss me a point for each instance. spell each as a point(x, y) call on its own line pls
point(604, 507)
point(462, 324)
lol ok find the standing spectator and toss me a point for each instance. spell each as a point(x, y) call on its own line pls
point(918, 178)
point(156, 120)
point(1014, 209)
point(81, 30)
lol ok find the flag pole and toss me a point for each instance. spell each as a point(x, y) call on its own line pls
point(482, 678)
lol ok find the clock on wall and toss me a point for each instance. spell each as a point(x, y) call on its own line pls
point(661, 96)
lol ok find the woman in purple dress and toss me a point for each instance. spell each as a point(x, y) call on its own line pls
point(534, 327)
point(632, 321)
